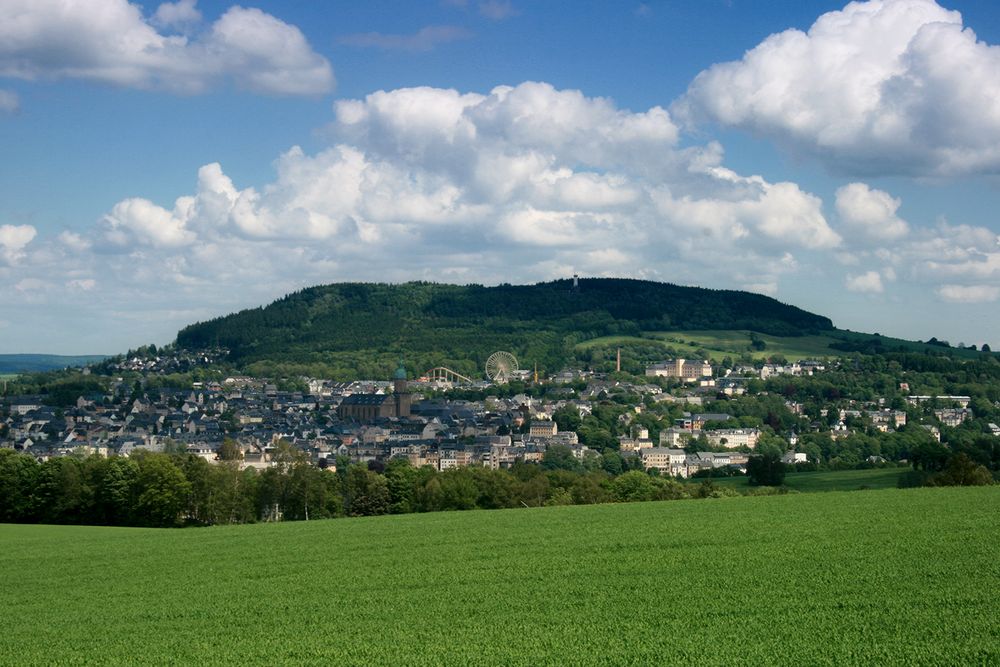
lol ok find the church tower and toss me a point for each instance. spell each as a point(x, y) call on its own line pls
point(401, 391)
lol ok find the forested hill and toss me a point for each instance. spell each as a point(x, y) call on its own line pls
point(363, 328)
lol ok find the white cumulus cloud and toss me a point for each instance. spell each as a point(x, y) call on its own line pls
point(111, 41)
point(13, 240)
point(141, 222)
point(884, 86)
point(871, 213)
point(870, 281)
point(969, 293)
point(179, 15)
point(528, 165)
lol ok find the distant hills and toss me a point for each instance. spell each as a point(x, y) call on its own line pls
point(362, 328)
point(33, 363)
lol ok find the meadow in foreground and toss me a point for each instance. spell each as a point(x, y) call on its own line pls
point(894, 576)
point(827, 480)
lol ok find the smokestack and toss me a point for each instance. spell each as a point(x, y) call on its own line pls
point(618, 362)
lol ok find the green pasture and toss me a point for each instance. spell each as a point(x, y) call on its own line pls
point(886, 577)
point(733, 343)
point(830, 480)
point(611, 341)
point(720, 344)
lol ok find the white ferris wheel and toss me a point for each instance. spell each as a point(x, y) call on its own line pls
point(500, 367)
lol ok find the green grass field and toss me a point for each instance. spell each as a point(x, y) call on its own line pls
point(886, 577)
point(734, 343)
point(830, 480)
point(721, 343)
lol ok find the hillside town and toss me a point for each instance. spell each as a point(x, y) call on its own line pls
point(674, 423)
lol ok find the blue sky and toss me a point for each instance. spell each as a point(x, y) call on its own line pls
point(167, 163)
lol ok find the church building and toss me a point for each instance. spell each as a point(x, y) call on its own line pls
point(371, 407)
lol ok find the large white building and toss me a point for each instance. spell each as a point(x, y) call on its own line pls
point(686, 369)
point(733, 437)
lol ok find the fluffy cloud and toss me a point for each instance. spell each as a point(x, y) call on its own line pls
point(970, 262)
point(780, 213)
point(112, 42)
point(140, 222)
point(179, 15)
point(518, 184)
point(959, 263)
point(870, 281)
point(422, 174)
point(871, 213)
point(13, 240)
point(952, 252)
point(969, 293)
point(885, 86)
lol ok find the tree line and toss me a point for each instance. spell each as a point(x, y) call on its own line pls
point(177, 488)
point(181, 489)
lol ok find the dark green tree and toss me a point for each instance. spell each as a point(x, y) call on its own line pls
point(567, 418)
point(115, 483)
point(560, 457)
point(18, 478)
point(366, 492)
point(62, 494)
point(962, 471)
point(766, 469)
point(230, 450)
point(163, 492)
point(633, 486)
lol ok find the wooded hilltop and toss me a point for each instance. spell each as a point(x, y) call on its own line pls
point(360, 329)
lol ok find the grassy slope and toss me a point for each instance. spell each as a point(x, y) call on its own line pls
point(720, 344)
point(833, 480)
point(885, 576)
point(737, 342)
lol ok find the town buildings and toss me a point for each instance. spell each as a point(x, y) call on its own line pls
point(377, 420)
